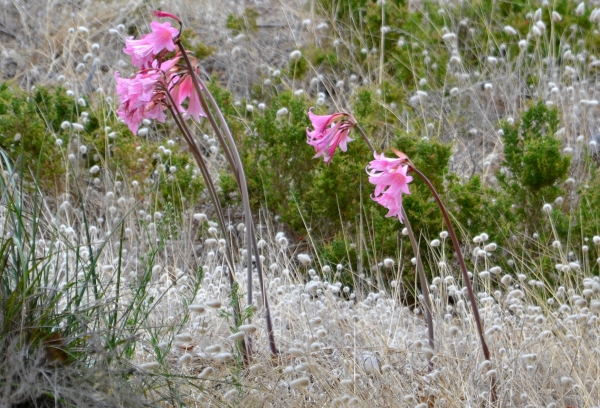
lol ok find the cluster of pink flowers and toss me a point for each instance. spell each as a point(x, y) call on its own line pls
point(159, 81)
point(389, 175)
point(330, 131)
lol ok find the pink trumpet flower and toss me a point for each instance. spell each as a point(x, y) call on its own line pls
point(143, 96)
point(158, 83)
point(330, 131)
point(185, 89)
point(389, 175)
point(144, 50)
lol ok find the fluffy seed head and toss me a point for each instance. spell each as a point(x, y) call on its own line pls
point(183, 337)
point(149, 366)
point(223, 357)
point(247, 328)
point(197, 309)
point(304, 259)
point(237, 336)
point(185, 359)
point(214, 304)
point(300, 383)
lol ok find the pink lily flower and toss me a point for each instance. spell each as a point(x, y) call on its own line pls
point(144, 50)
point(143, 96)
point(185, 89)
point(389, 175)
point(330, 131)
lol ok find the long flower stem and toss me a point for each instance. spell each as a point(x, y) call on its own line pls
point(420, 269)
point(179, 121)
point(365, 138)
point(250, 229)
point(422, 279)
point(232, 155)
point(463, 267)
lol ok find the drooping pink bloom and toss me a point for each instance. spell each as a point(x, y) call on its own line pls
point(144, 50)
point(143, 96)
point(389, 175)
point(329, 132)
point(185, 89)
point(158, 83)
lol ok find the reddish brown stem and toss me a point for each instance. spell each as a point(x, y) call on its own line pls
point(185, 131)
point(232, 155)
point(463, 267)
point(423, 281)
point(420, 269)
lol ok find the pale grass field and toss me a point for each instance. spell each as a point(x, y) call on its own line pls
point(338, 346)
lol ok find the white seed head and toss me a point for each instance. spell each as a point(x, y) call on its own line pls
point(197, 309)
point(149, 366)
point(224, 357)
point(214, 304)
point(200, 217)
point(556, 17)
point(183, 337)
point(523, 44)
point(207, 372)
point(304, 259)
point(237, 336)
point(185, 359)
point(429, 353)
point(213, 349)
point(300, 383)
point(491, 247)
point(247, 328)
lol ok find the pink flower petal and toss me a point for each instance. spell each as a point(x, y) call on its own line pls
point(391, 181)
point(330, 131)
point(144, 50)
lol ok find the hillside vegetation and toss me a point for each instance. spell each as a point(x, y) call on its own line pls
point(114, 287)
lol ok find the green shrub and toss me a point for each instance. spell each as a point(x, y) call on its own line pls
point(30, 126)
point(334, 201)
point(24, 124)
point(244, 23)
point(298, 67)
point(533, 163)
point(191, 42)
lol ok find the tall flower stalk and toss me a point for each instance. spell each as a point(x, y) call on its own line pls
point(175, 85)
point(391, 177)
point(233, 157)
